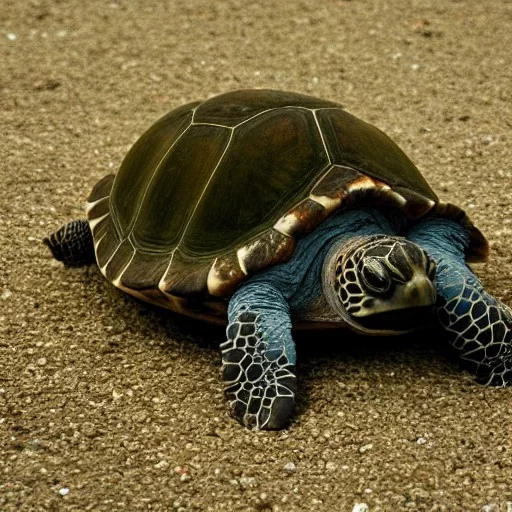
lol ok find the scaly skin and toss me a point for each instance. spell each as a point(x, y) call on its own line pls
point(478, 325)
point(259, 358)
point(259, 354)
point(72, 244)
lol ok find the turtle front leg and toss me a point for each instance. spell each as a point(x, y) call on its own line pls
point(479, 326)
point(258, 358)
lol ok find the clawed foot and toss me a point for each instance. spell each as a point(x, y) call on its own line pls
point(495, 372)
point(72, 244)
point(260, 383)
point(480, 328)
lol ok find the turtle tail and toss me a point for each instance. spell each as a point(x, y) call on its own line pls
point(72, 244)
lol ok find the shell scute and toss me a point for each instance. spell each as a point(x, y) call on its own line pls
point(185, 277)
point(300, 221)
point(269, 166)
point(354, 143)
point(177, 186)
point(143, 161)
point(269, 248)
point(106, 246)
point(225, 275)
point(116, 265)
point(333, 185)
point(102, 189)
point(235, 107)
point(144, 271)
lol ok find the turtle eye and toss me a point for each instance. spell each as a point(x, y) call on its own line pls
point(375, 276)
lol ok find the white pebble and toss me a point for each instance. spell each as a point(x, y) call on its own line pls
point(421, 440)
point(365, 448)
point(11, 36)
point(42, 361)
point(361, 507)
point(64, 491)
point(247, 481)
point(6, 294)
point(415, 67)
point(163, 464)
point(491, 507)
point(290, 467)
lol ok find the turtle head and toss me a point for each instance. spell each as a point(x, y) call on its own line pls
point(380, 284)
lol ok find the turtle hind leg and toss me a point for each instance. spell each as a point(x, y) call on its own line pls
point(72, 244)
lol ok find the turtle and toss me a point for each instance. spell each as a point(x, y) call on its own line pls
point(267, 210)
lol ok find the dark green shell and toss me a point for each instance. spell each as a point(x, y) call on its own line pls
point(217, 190)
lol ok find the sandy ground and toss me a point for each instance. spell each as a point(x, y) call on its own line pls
point(108, 404)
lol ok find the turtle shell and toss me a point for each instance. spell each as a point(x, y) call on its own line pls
point(218, 190)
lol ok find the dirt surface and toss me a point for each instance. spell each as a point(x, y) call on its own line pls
point(108, 404)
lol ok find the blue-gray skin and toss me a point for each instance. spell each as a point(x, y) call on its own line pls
point(259, 355)
point(318, 282)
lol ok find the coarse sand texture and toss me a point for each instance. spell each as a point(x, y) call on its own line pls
point(108, 403)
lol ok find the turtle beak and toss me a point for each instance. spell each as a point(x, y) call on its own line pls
point(419, 291)
point(410, 308)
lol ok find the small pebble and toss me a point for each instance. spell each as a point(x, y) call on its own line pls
point(290, 467)
point(163, 464)
point(64, 491)
point(181, 470)
point(11, 36)
point(361, 507)
point(116, 395)
point(6, 294)
point(247, 481)
point(365, 448)
point(491, 507)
